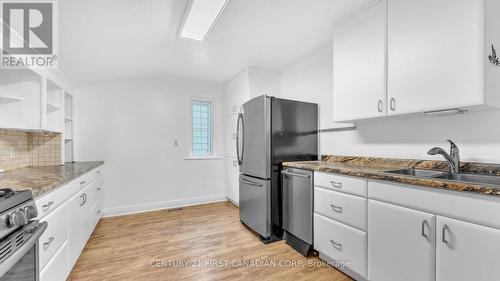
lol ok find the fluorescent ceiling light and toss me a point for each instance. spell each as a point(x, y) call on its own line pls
point(199, 18)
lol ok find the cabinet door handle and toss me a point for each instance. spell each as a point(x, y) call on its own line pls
point(336, 208)
point(47, 206)
point(336, 184)
point(99, 212)
point(98, 189)
point(293, 174)
point(82, 183)
point(380, 106)
point(336, 245)
point(424, 222)
point(443, 234)
point(47, 244)
point(83, 200)
point(252, 183)
point(98, 172)
point(392, 104)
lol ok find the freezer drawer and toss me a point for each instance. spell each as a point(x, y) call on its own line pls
point(255, 204)
point(298, 203)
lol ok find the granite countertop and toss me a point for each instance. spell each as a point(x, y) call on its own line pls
point(374, 168)
point(41, 180)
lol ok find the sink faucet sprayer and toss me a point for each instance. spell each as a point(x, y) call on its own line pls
point(453, 158)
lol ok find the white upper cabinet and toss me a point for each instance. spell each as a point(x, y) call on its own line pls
point(359, 83)
point(20, 99)
point(466, 251)
point(433, 56)
point(32, 100)
point(250, 83)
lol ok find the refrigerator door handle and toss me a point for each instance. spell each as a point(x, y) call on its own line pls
point(240, 128)
point(252, 183)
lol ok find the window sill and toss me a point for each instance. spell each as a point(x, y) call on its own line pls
point(203, 158)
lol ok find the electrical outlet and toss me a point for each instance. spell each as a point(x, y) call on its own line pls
point(12, 152)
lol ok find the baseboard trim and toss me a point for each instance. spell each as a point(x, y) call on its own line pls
point(232, 202)
point(155, 206)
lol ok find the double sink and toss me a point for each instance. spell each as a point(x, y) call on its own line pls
point(469, 178)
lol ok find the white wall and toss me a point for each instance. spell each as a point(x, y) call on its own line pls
point(132, 124)
point(477, 134)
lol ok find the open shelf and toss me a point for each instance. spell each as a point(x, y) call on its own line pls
point(11, 76)
point(52, 108)
point(10, 99)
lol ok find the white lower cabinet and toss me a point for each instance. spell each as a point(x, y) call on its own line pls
point(411, 232)
point(232, 180)
point(409, 244)
point(230, 123)
point(466, 251)
point(75, 233)
point(345, 208)
point(54, 236)
point(58, 268)
point(401, 243)
point(70, 225)
point(345, 245)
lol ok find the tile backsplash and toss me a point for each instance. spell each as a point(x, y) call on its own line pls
point(28, 149)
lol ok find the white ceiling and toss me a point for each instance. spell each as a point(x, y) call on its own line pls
point(111, 39)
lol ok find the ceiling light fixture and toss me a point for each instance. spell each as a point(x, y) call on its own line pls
point(199, 18)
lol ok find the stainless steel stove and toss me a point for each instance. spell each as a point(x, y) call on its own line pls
point(19, 233)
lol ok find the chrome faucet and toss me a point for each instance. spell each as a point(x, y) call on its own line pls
point(453, 158)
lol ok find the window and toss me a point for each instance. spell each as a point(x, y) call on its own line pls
point(201, 128)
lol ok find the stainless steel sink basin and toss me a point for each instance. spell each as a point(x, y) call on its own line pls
point(417, 173)
point(480, 179)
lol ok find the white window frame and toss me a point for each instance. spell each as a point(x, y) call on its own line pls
point(212, 127)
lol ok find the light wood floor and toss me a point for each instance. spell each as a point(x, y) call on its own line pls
point(209, 239)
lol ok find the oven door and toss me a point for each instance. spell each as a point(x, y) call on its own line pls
point(19, 253)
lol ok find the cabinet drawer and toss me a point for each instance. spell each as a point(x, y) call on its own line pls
point(341, 243)
point(87, 178)
point(349, 209)
point(94, 191)
point(57, 269)
point(96, 213)
point(54, 236)
point(341, 183)
point(50, 201)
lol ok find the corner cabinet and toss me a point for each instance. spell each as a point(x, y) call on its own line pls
point(435, 59)
point(359, 84)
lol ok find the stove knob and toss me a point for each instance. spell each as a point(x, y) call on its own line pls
point(17, 218)
point(31, 212)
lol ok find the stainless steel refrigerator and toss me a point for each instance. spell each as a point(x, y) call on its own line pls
point(270, 132)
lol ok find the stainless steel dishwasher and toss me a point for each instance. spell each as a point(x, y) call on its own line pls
point(298, 209)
